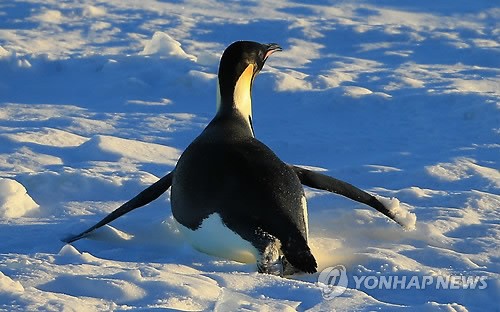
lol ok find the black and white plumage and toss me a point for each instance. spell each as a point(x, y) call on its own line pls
point(231, 195)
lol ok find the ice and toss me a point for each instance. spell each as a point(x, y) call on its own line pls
point(4, 52)
point(14, 199)
point(163, 45)
point(7, 285)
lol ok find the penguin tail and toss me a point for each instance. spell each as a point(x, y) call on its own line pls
point(298, 254)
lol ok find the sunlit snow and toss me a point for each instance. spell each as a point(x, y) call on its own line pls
point(98, 100)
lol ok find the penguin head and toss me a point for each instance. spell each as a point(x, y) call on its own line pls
point(239, 65)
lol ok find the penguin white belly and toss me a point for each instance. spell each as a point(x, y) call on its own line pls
point(215, 238)
point(306, 218)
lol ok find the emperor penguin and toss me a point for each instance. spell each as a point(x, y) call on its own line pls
point(232, 196)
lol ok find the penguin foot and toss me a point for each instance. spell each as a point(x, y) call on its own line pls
point(270, 261)
point(281, 267)
point(275, 268)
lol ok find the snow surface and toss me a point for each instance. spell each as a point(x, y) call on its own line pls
point(99, 98)
point(401, 214)
point(14, 200)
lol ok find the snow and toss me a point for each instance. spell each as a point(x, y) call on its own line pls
point(14, 200)
point(8, 285)
point(401, 214)
point(163, 45)
point(98, 100)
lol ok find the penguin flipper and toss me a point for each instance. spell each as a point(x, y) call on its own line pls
point(143, 198)
point(327, 183)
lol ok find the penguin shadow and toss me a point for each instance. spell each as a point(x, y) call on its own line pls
point(152, 236)
point(137, 238)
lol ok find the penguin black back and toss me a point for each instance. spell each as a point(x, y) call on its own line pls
point(228, 181)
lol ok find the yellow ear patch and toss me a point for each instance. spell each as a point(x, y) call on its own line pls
point(247, 76)
point(241, 96)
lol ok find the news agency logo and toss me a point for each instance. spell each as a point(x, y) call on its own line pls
point(333, 282)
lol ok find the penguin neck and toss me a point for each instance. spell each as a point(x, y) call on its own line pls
point(237, 103)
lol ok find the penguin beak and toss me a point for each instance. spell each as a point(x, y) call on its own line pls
point(270, 49)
